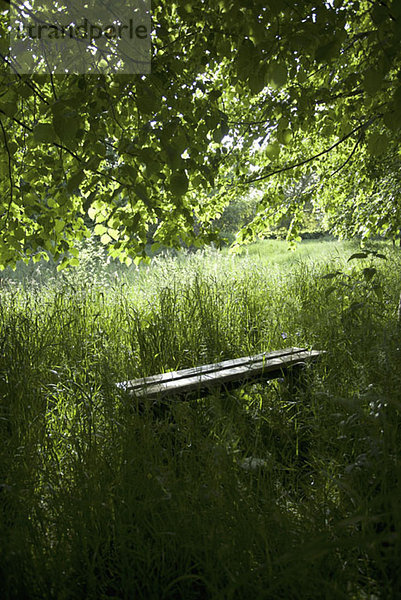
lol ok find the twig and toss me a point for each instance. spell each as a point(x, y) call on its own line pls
point(26, 81)
point(10, 174)
point(350, 156)
point(312, 158)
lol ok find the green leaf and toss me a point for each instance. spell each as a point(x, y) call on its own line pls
point(12, 147)
point(93, 163)
point(379, 14)
point(92, 212)
point(179, 184)
point(51, 203)
point(258, 32)
point(44, 133)
point(105, 239)
point(59, 226)
point(219, 134)
point(99, 229)
point(63, 265)
point(129, 171)
point(369, 273)
point(74, 181)
point(148, 101)
point(358, 255)
point(285, 136)
point(257, 81)
point(272, 150)
point(277, 75)
point(113, 233)
point(245, 59)
point(377, 144)
point(392, 119)
point(372, 81)
point(65, 127)
point(100, 149)
point(328, 51)
point(9, 108)
point(142, 193)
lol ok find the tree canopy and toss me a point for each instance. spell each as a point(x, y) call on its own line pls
point(238, 97)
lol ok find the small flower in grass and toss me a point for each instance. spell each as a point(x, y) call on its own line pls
point(284, 336)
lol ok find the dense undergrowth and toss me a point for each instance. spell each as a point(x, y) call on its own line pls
point(253, 494)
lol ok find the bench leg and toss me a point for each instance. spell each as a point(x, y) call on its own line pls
point(296, 380)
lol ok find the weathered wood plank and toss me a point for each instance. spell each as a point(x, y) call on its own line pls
point(267, 365)
point(226, 364)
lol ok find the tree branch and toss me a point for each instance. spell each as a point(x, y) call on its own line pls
point(363, 126)
point(73, 154)
point(26, 81)
point(10, 174)
point(358, 141)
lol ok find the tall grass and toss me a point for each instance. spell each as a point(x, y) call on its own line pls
point(254, 493)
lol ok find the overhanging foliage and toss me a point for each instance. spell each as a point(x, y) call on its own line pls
point(238, 96)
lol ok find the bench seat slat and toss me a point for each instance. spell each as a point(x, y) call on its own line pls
point(267, 365)
point(226, 364)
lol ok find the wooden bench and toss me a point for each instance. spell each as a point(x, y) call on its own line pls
point(228, 374)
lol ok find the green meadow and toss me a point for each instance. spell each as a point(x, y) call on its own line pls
point(259, 493)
